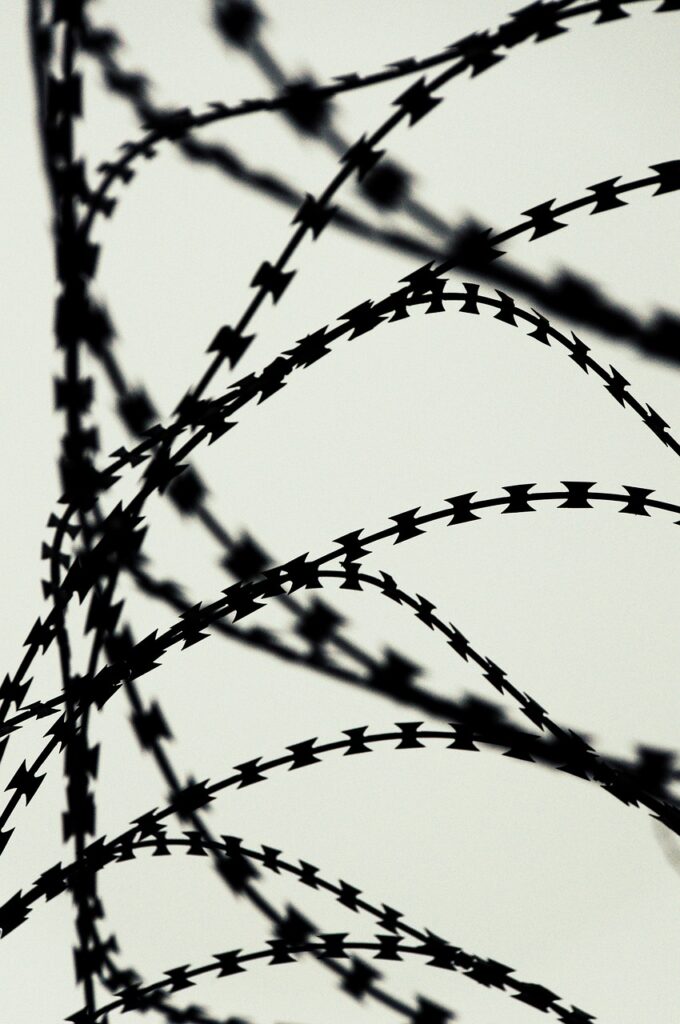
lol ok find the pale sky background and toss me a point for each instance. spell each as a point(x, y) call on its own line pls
point(531, 868)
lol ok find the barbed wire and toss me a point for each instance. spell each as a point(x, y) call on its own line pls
point(91, 549)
